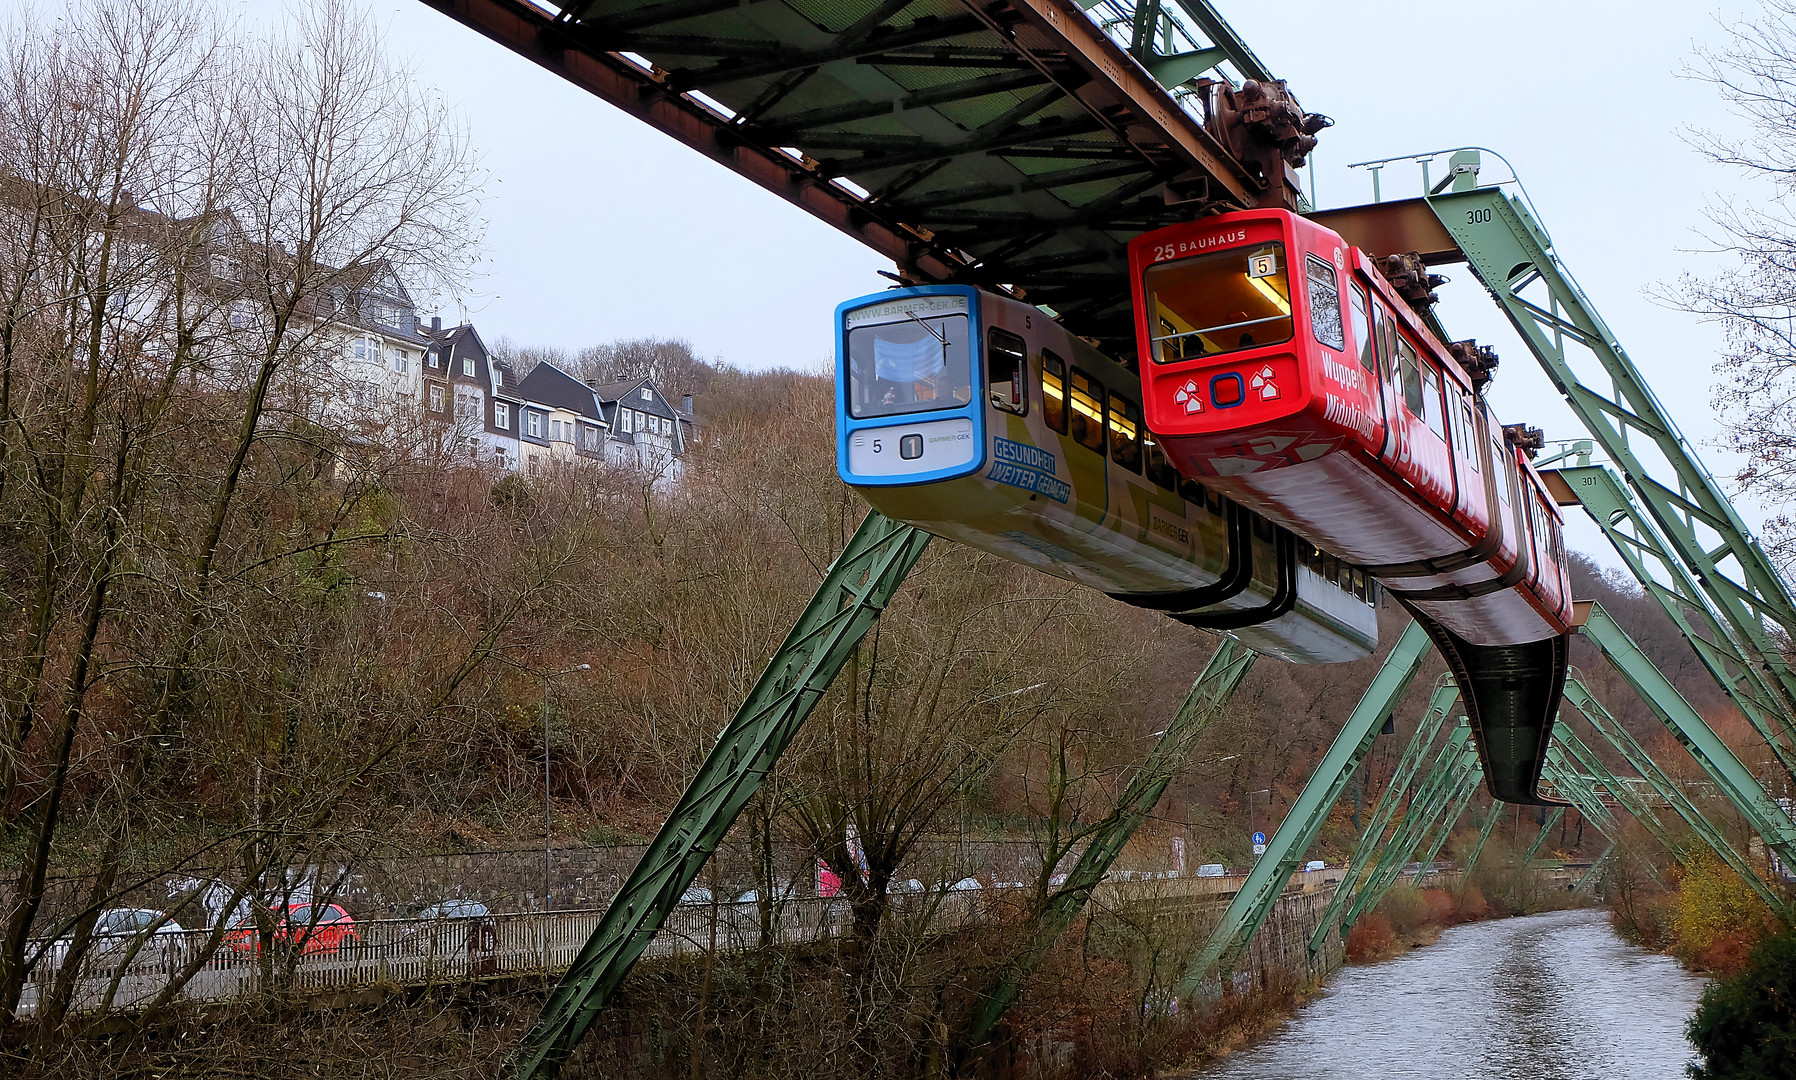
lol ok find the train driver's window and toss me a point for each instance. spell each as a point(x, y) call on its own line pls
point(1325, 303)
point(1218, 302)
point(1408, 366)
point(1362, 327)
point(912, 365)
point(1053, 391)
point(1431, 399)
point(1087, 411)
point(1125, 432)
point(1005, 367)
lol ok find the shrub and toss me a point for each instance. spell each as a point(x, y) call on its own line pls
point(1745, 1025)
point(1717, 916)
point(1406, 909)
point(1472, 904)
point(1370, 937)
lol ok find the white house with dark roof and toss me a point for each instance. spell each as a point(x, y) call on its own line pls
point(563, 420)
point(646, 431)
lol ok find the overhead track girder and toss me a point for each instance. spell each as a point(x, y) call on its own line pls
point(1215, 685)
point(850, 599)
point(1265, 883)
point(879, 117)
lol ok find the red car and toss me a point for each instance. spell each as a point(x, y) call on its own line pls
point(294, 927)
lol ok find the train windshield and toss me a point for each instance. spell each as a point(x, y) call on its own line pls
point(917, 362)
point(1220, 302)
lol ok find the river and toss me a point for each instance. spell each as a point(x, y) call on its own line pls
point(1544, 997)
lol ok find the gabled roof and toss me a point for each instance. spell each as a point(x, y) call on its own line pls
point(552, 386)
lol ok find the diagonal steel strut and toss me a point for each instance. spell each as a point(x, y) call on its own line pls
point(851, 597)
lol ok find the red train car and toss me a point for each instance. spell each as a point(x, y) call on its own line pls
point(1279, 367)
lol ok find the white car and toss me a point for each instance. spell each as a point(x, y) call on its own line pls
point(1314, 865)
point(114, 933)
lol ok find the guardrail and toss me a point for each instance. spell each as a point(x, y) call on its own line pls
point(122, 974)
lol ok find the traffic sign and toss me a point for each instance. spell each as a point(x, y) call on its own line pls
point(1259, 841)
point(1259, 849)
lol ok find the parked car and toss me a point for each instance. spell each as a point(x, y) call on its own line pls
point(1212, 869)
point(453, 925)
point(114, 932)
point(1314, 865)
point(294, 927)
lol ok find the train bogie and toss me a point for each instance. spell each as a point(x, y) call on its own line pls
point(977, 418)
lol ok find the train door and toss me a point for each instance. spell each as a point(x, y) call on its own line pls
point(1472, 507)
point(1366, 351)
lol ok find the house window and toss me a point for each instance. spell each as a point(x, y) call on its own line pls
point(473, 448)
point(401, 361)
point(501, 416)
point(430, 358)
point(467, 365)
point(647, 394)
point(534, 421)
point(361, 349)
point(623, 419)
point(555, 430)
point(436, 399)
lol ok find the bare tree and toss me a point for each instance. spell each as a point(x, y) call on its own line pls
point(1754, 297)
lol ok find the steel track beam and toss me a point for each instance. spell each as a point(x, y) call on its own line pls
point(1364, 859)
point(1288, 845)
point(1215, 685)
point(1596, 867)
point(853, 593)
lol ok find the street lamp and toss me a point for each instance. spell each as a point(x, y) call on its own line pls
point(548, 895)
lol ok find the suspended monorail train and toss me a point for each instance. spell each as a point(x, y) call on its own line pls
point(1333, 411)
point(978, 418)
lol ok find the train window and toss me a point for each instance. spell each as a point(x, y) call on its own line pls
point(1496, 461)
point(909, 366)
point(1218, 302)
point(1325, 303)
point(1431, 399)
point(1125, 432)
point(1087, 411)
point(1191, 491)
point(1262, 528)
point(1005, 365)
point(1362, 327)
point(1159, 470)
point(1411, 373)
point(1359, 584)
point(1053, 391)
point(1469, 432)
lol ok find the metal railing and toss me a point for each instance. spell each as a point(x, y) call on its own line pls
point(127, 974)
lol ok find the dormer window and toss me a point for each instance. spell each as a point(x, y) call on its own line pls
point(467, 365)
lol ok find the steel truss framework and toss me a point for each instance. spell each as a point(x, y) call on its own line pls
point(1018, 144)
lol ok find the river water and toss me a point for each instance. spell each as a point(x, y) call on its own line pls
point(1544, 997)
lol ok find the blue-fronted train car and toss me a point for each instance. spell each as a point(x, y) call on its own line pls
point(978, 418)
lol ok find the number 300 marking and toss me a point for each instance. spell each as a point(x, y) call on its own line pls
point(1477, 217)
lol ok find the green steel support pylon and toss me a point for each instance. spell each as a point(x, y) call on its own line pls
point(851, 597)
point(1288, 845)
point(1451, 822)
point(1731, 776)
point(1619, 737)
point(1214, 686)
point(1659, 572)
point(1624, 794)
point(1490, 822)
point(1512, 255)
point(1456, 765)
point(1552, 823)
point(1596, 867)
point(1363, 862)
